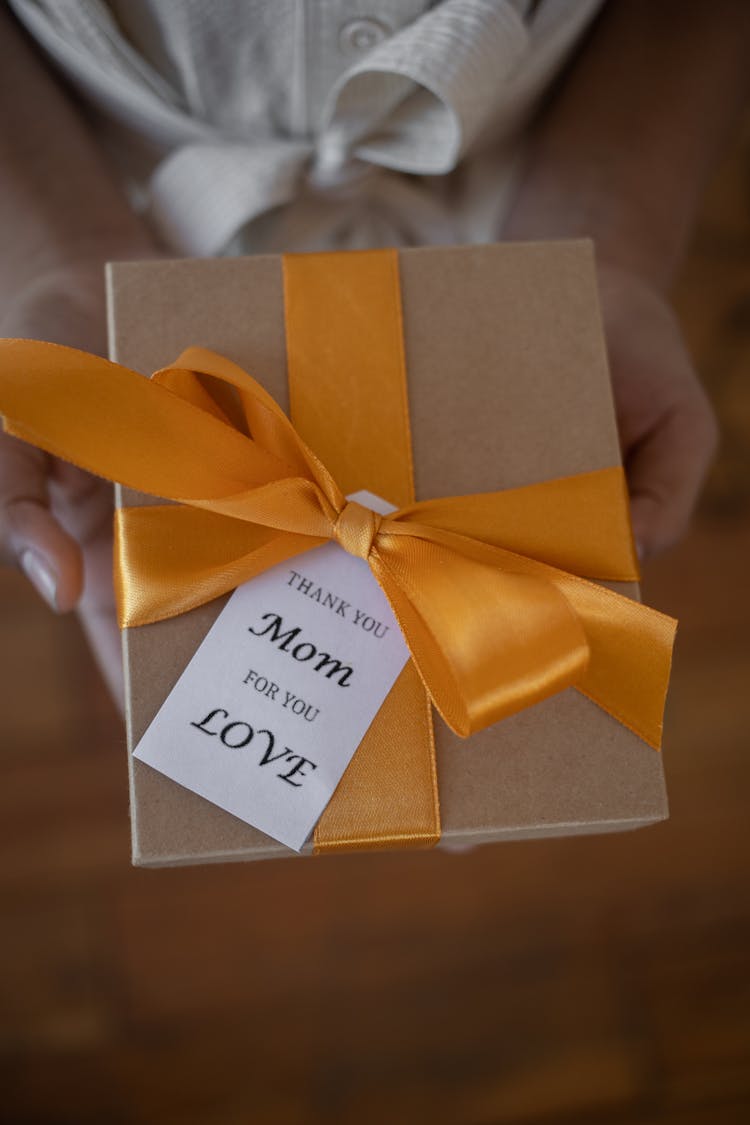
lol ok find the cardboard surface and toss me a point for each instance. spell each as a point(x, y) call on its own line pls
point(508, 385)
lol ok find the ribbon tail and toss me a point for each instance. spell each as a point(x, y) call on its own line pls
point(630, 645)
point(170, 559)
point(631, 656)
point(486, 642)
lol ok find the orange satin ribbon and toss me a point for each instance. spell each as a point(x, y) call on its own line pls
point(346, 372)
point(492, 629)
point(493, 591)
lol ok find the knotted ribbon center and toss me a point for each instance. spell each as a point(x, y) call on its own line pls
point(356, 528)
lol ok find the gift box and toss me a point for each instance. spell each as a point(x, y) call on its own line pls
point(507, 387)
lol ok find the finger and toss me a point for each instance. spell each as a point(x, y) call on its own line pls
point(82, 504)
point(32, 537)
point(666, 470)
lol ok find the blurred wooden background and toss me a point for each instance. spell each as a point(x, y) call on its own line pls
point(602, 981)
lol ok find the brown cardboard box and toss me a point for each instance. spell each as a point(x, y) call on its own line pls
point(508, 385)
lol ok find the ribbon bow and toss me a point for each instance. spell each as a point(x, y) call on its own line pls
point(492, 591)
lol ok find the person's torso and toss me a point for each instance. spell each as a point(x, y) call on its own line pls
point(268, 124)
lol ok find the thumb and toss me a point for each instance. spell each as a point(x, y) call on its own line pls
point(30, 536)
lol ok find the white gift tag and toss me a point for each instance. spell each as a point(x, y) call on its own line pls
point(271, 708)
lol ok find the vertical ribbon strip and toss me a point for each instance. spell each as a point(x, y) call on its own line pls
point(347, 387)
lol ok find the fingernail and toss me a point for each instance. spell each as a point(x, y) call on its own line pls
point(40, 574)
